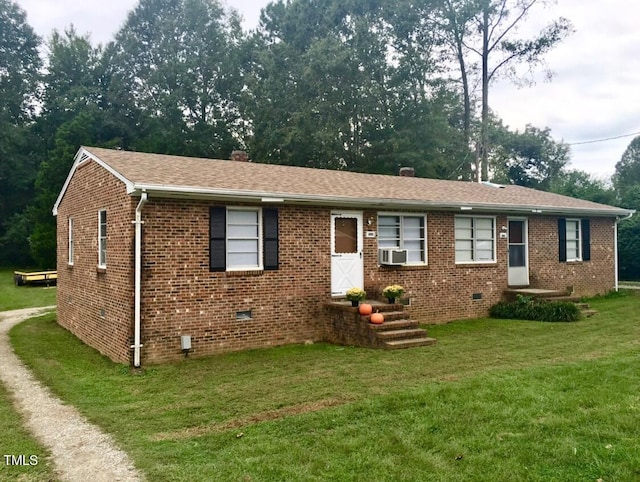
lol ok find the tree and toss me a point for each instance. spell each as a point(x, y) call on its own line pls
point(582, 185)
point(351, 85)
point(531, 158)
point(627, 173)
point(71, 83)
point(488, 31)
point(177, 61)
point(629, 236)
point(75, 111)
point(626, 181)
point(19, 78)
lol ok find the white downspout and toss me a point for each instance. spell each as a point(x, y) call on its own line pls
point(138, 280)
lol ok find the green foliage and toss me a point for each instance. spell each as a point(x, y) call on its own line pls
point(582, 185)
point(363, 86)
point(325, 91)
point(525, 308)
point(290, 413)
point(629, 236)
point(179, 61)
point(531, 158)
point(627, 172)
point(19, 75)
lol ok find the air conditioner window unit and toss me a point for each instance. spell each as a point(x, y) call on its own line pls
point(392, 256)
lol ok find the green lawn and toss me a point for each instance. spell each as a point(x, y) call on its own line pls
point(493, 400)
point(16, 297)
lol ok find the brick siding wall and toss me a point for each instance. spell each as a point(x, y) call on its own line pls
point(95, 304)
point(587, 278)
point(182, 297)
point(443, 290)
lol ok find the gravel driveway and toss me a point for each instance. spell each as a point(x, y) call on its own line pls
point(80, 451)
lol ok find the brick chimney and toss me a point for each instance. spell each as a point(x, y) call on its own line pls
point(407, 172)
point(240, 156)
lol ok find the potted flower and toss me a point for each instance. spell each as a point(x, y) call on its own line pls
point(392, 292)
point(355, 295)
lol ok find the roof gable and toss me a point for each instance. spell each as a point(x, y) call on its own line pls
point(176, 176)
point(83, 155)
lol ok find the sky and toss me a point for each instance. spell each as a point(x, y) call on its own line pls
point(594, 93)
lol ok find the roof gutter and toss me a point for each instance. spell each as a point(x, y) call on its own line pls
point(138, 280)
point(262, 197)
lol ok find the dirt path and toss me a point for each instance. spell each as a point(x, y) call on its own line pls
point(81, 452)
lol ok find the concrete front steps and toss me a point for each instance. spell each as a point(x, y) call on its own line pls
point(348, 327)
point(551, 295)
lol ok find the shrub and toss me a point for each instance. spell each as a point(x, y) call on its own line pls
point(525, 308)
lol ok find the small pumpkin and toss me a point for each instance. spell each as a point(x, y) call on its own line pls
point(365, 309)
point(377, 318)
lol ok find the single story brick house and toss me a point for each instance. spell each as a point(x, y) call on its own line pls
point(243, 255)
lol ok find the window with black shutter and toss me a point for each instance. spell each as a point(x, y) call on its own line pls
point(217, 238)
point(574, 240)
point(586, 240)
point(271, 248)
point(243, 238)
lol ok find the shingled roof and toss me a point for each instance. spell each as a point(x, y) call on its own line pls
point(187, 177)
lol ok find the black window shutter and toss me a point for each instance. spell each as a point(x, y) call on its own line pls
point(586, 239)
point(562, 239)
point(217, 238)
point(270, 228)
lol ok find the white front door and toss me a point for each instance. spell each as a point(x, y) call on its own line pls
point(518, 274)
point(347, 266)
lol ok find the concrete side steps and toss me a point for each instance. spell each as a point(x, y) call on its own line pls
point(410, 343)
point(567, 298)
point(588, 313)
point(536, 293)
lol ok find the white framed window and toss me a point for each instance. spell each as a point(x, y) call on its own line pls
point(574, 240)
point(70, 254)
point(475, 239)
point(102, 238)
point(404, 231)
point(244, 239)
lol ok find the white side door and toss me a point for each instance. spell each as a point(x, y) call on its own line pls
point(347, 265)
point(518, 271)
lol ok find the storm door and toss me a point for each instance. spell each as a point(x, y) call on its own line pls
point(518, 274)
point(347, 268)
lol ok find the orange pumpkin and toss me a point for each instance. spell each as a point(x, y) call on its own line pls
point(365, 309)
point(377, 318)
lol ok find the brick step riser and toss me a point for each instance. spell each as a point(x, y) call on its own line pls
point(389, 316)
point(398, 345)
point(401, 334)
point(382, 308)
point(394, 325)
